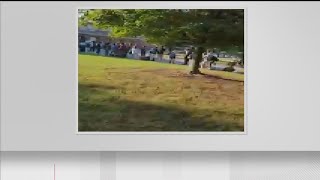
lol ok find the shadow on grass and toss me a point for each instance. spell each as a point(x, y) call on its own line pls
point(210, 76)
point(102, 110)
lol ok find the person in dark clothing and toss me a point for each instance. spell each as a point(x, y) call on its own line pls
point(94, 46)
point(124, 50)
point(213, 60)
point(119, 50)
point(98, 48)
point(188, 55)
point(153, 53)
point(105, 49)
point(81, 43)
point(143, 51)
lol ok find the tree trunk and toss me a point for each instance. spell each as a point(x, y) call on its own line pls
point(196, 61)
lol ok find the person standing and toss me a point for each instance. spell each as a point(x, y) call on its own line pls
point(122, 50)
point(172, 56)
point(188, 56)
point(94, 46)
point(153, 54)
point(105, 47)
point(91, 46)
point(161, 51)
point(205, 58)
point(98, 48)
point(156, 53)
point(143, 51)
point(117, 49)
point(134, 52)
point(114, 49)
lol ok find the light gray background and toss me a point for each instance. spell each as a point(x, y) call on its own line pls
point(161, 165)
point(39, 72)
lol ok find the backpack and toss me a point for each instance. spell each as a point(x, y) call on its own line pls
point(172, 55)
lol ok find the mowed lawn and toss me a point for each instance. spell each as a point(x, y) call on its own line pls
point(117, 94)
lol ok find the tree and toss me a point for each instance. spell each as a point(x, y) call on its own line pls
point(203, 28)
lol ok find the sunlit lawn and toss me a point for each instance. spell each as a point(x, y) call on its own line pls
point(117, 94)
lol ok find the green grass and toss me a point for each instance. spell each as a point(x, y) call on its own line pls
point(117, 94)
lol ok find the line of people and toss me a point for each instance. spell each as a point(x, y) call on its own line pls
point(156, 53)
point(108, 48)
point(127, 50)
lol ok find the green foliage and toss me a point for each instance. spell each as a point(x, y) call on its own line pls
point(200, 27)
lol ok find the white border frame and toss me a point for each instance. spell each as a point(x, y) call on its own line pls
point(166, 132)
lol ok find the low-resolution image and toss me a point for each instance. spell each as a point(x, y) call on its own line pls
point(161, 70)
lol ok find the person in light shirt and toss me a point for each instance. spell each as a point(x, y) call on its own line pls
point(135, 52)
point(172, 56)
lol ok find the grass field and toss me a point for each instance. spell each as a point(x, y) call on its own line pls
point(117, 94)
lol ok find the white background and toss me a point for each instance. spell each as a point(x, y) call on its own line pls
point(39, 72)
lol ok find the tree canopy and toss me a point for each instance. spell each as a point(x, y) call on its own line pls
point(200, 27)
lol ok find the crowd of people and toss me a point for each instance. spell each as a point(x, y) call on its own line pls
point(133, 51)
point(128, 50)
